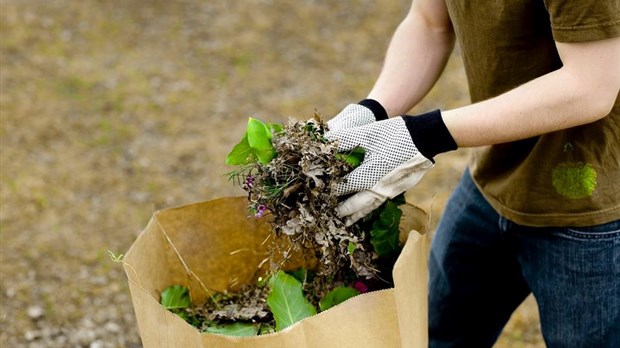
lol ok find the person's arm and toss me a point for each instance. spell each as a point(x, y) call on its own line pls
point(415, 58)
point(401, 149)
point(582, 91)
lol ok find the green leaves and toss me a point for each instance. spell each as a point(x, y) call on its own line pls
point(351, 248)
point(302, 275)
point(354, 157)
point(255, 145)
point(175, 297)
point(337, 296)
point(287, 301)
point(259, 138)
point(239, 328)
point(384, 233)
point(241, 154)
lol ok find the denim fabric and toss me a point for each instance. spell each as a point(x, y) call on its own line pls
point(482, 266)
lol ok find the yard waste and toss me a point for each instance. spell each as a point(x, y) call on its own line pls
point(214, 246)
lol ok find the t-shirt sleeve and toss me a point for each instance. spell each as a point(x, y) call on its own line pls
point(584, 20)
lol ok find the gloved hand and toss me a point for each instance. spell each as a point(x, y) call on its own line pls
point(355, 115)
point(399, 151)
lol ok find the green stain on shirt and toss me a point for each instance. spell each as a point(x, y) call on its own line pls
point(574, 180)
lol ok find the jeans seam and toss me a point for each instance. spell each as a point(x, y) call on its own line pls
point(585, 235)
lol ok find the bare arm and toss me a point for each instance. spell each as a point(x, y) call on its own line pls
point(582, 91)
point(415, 58)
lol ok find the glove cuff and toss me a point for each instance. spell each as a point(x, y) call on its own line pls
point(430, 134)
point(377, 109)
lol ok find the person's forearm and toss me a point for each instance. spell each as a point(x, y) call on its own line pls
point(582, 91)
point(555, 101)
point(415, 58)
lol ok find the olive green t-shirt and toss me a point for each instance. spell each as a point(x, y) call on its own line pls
point(564, 178)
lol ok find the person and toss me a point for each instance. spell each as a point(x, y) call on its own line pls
point(538, 208)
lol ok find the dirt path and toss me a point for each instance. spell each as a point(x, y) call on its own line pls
point(112, 109)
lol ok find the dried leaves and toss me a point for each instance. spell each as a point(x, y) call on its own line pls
point(291, 173)
point(250, 303)
point(297, 188)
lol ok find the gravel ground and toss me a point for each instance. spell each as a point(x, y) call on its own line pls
point(112, 109)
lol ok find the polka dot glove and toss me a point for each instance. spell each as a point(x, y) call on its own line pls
point(394, 161)
point(355, 115)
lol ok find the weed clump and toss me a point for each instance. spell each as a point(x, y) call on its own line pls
point(297, 188)
point(290, 173)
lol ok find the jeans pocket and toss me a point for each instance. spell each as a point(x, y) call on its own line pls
point(608, 230)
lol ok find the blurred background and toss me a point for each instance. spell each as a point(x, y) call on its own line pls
point(112, 109)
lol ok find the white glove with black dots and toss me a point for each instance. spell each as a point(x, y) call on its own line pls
point(398, 152)
point(354, 115)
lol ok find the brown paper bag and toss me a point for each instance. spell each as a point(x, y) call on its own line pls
point(214, 246)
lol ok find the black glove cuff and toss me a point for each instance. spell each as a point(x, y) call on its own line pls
point(377, 109)
point(430, 134)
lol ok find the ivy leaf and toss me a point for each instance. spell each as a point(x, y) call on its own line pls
point(274, 127)
point(286, 301)
point(175, 297)
point(337, 296)
point(351, 248)
point(303, 275)
point(190, 318)
point(354, 158)
point(259, 139)
point(384, 233)
point(255, 145)
point(239, 328)
point(242, 153)
point(300, 274)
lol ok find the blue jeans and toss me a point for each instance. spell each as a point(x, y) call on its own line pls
point(482, 266)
